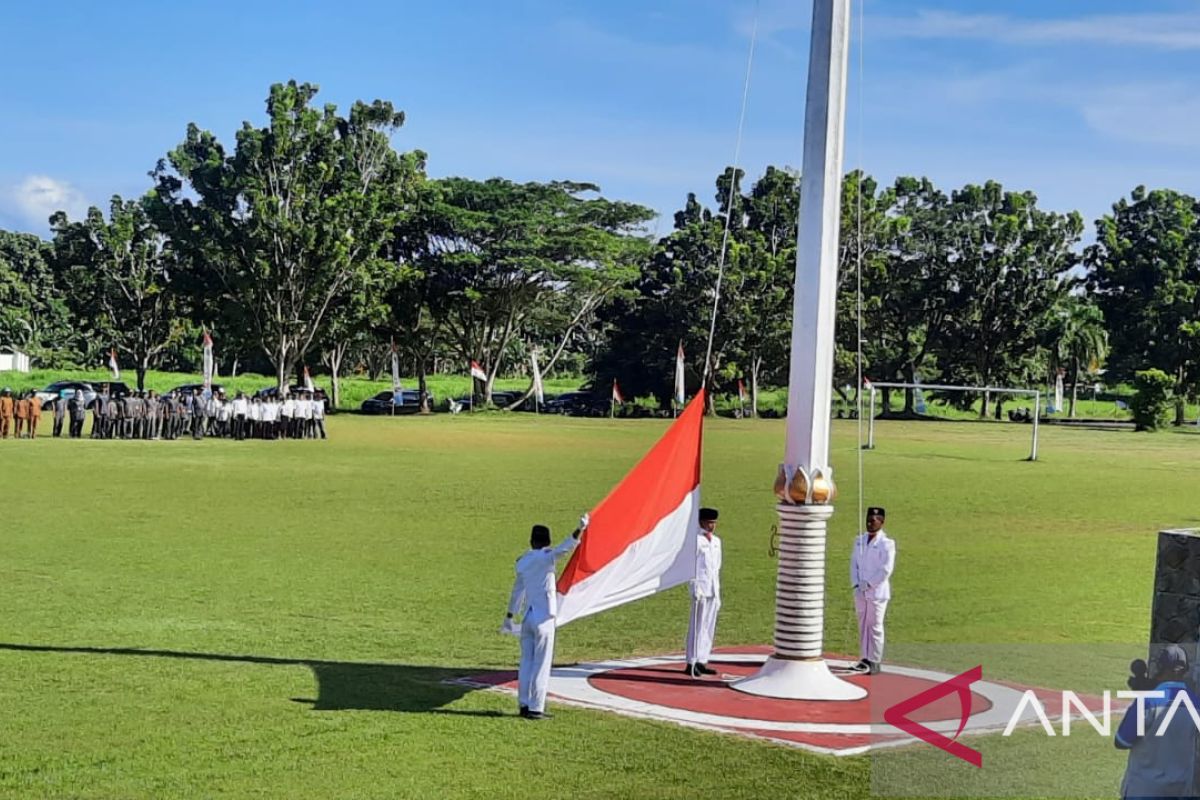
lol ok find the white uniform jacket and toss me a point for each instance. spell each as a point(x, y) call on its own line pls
point(535, 584)
point(708, 567)
point(871, 565)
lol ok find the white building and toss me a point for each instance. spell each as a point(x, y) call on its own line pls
point(13, 360)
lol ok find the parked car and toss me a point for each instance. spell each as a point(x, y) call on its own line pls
point(407, 401)
point(273, 391)
point(579, 404)
point(500, 399)
point(89, 389)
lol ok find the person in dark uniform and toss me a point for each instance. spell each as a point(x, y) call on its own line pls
point(99, 409)
point(77, 408)
point(60, 412)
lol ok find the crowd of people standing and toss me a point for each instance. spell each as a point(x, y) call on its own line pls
point(174, 415)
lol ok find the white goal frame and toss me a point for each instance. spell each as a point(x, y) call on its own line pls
point(1034, 393)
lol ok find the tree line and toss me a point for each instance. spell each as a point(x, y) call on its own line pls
point(314, 241)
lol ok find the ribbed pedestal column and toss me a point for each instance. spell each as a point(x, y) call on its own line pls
point(796, 670)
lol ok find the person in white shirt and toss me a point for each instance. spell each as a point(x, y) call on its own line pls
point(288, 411)
point(256, 409)
point(534, 589)
point(319, 417)
point(306, 426)
point(270, 413)
point(241, 410)
point(706, 596)
point(871, 567)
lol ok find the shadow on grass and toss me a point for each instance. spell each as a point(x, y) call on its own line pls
point(341, 685)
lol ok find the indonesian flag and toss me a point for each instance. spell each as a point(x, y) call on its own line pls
point(396, 387)
point(477, 371)
point(539, 391)
point(308, 384)
point(207, 361)
point(642, 537)
point(112, 365)
point(617, 397)
point(741, 392)
point(680, 393)
point(866, 383)
point(1058, 390)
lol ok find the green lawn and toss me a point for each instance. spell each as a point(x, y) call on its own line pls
point(275, 619)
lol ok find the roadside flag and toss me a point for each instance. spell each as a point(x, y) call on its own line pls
point(741, 392)
point(477, 371)
point(642, 537)
point(112, 365)
point(396, 387)
point(207, 361)
point(617, 397)
point(680, 393)
point(539, 391)
point(308, 382)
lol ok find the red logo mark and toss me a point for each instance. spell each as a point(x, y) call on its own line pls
point(897, 715)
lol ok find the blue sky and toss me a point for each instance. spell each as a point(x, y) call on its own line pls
point(1077, 100)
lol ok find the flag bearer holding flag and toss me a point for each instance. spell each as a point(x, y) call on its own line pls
point(706, 596)
point(535, 590)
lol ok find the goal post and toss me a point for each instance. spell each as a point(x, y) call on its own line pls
point(1034, 393)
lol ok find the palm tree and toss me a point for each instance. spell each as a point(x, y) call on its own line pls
point(1080, 338)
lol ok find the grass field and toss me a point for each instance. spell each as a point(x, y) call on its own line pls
point(275, 619)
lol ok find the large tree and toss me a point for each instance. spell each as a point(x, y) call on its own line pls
point(1077, 339)
point(291, 221)
point(33, 314)
point(499, 255)
point(120, 272)
point(1008, 261)
point(1144, 271)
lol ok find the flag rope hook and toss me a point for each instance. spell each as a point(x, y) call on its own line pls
point(733, 182)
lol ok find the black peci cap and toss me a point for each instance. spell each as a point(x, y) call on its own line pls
point(708, 515)
point(876, 510)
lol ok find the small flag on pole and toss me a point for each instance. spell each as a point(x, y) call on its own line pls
point(680, 394)
point(741, 392)
point(477, 371)
point(112, 365)
point(396, 387)
point(308, 382)
point(539, 391)
point(617, 397)
point(207, 361)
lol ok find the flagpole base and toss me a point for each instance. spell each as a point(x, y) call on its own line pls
point(791, 679)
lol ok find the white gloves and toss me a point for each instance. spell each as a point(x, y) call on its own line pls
point(584, 521)
point(509, 628)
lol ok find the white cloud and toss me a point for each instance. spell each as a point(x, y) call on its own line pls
point(1169, 31)
point(36, 197)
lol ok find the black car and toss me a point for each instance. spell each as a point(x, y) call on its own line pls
point(407, 401)
point(502, 399)
point(579, 404)
point(192, 388)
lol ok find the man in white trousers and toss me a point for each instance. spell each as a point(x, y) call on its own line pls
point(534, 588)
point(871, 566)
point(706, 596)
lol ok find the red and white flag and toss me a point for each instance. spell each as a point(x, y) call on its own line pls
point(539, 391)
point(680, 393)
point(617, 398)
point(477, 371)
point(308, 384)
point(642, 537)
point(112, 365)
point(741, 392)
point(207, 361)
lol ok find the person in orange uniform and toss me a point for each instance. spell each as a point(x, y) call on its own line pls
point(35, 415)
point(22, 414)
point(6, 412)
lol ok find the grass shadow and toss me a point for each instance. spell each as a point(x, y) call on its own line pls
point(341, 685)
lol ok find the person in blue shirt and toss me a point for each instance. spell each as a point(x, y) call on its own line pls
point(1161, 762)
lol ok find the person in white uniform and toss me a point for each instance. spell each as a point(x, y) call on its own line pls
point(871, 567)
point(706, 596)
point(535, 590)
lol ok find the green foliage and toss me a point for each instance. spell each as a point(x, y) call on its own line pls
point(34, 316)
point(1152, 401)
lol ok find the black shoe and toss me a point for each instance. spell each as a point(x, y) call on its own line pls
point(524, 712)
point(692, 670)
point(874, 667)
point(536, 715)
point(704, 669)
point(861, 666)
